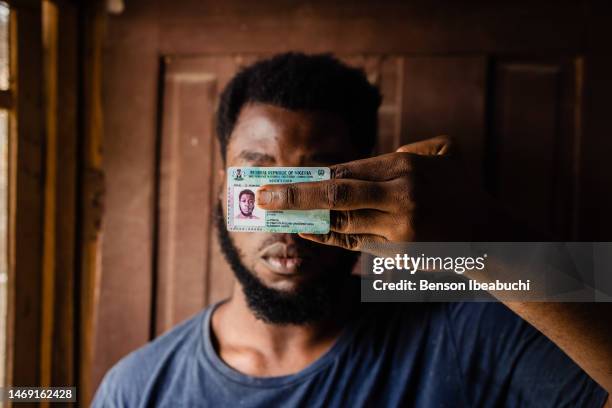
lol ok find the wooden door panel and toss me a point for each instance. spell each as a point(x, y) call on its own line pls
point(184, 195)
point(536, 141)
point(188, 185)
point(595, 173)
point(446, 96)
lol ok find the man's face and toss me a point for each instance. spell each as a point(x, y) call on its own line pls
point(247, 204)
point(284, 264)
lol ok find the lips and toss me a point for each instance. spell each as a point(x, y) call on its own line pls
point(281, 258)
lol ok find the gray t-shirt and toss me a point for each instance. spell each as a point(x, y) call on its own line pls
point(389, 355)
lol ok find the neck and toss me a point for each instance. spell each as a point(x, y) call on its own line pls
point(255, 347)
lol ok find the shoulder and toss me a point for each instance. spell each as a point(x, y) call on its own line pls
point(487, 321)
point(460, 326)
point(506, 356)
point(127, 382)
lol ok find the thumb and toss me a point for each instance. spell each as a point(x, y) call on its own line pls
point(436, 146)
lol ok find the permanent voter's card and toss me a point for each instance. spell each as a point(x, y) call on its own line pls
point(244, 215)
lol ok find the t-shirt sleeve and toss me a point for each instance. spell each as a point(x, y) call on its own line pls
point(108, 394)
point(123, 384)
point(506, 362)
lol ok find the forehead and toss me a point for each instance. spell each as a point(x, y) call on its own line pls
point(288, 136)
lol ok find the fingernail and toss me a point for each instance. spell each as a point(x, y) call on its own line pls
point(264, 197)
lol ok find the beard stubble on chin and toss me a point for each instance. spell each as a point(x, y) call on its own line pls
point(311, 302)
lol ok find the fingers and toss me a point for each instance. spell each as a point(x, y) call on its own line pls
point(353, 242)
point(380, 168)
point(374, 222)
point(436, 146)
point(359, 221)
point(392, 165)
point(328, 194)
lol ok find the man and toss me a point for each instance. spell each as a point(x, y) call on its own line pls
point(294, 332)
point(246, 205)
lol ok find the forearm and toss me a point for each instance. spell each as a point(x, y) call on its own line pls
point(582, 330)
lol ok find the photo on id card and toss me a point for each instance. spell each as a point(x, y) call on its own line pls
point(244, 215)
point(245, 210)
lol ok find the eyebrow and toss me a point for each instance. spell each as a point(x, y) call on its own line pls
point(255, 156)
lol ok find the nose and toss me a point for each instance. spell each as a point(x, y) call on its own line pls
point(289, 239)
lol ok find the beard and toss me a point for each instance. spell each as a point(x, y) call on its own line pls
point(311, 302)
point(246, 214)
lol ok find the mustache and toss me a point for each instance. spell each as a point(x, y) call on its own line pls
point(283, 250)
point(287, 245)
